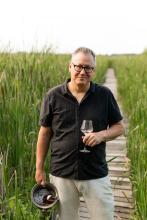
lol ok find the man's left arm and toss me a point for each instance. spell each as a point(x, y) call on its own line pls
point(113, 132)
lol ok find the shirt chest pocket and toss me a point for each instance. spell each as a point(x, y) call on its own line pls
point(64, 117)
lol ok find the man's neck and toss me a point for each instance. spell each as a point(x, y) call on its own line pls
point(78, 88)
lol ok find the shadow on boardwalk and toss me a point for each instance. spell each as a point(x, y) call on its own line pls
point(119, 168)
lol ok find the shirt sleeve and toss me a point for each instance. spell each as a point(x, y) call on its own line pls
point(46, 113)
point(114, 114)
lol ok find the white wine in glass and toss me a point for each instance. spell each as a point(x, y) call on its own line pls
point(86, 127)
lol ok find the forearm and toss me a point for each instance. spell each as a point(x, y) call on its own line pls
point(42, 147)
point(113, 132)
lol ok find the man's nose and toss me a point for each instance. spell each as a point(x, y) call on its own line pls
point(83, 71)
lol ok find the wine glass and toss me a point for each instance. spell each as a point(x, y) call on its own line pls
point(86, 127)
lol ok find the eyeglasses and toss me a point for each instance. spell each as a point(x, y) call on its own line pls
point(87, 69)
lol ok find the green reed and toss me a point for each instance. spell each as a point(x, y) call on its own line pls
point(132, 84)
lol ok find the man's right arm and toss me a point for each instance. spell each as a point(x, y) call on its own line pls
point(43, 141)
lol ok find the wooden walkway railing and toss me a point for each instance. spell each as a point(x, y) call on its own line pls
point(119, 169)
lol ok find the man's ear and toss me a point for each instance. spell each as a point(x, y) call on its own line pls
point(69, 67)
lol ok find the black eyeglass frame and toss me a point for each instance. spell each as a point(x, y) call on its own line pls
point(89, 68)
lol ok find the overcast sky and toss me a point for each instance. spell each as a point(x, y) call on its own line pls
point(106, 26)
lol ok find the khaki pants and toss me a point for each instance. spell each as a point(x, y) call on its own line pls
point(97, 194)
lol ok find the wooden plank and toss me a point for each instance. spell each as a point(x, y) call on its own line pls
point(117, 151)
point(122, 137)
point(119, 168)
point(117, 159)
point(122, 187)
point(123, 204)
point(118, 139)
point(116, 145)
point(84, 212)
point(114, 154)
point(122, 193)
point(121, 216)
point(84, 215)
point(123, 209)
point(121, 180)
point(123, 199)
point(82, 199)
point(119, 173)
point(116, 198)
point(84, 218)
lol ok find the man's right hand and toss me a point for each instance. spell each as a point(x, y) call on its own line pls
point(41, 152)
point(40, 177)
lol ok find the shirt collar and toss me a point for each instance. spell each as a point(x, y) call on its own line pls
point(66, 91)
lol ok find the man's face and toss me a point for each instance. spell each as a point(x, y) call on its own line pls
point(82, 76)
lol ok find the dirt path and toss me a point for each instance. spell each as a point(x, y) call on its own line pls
point(119, 168)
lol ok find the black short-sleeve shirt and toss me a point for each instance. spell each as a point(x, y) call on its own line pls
point(61, 111)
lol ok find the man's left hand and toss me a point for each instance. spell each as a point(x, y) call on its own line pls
point(94, 138)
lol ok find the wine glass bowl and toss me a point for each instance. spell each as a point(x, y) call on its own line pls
point(86, 127)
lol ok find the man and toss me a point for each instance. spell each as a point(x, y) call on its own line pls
point(73, 171)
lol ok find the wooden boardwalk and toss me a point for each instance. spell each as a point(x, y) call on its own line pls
point(119, 169)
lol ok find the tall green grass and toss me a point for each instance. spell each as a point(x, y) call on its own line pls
point(24, 79)
point(131, 72)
